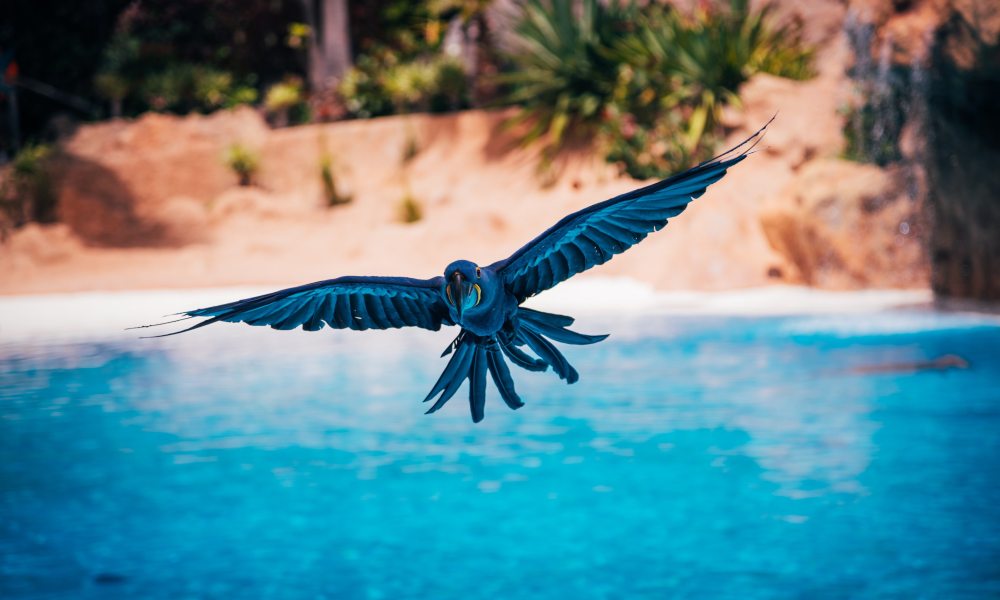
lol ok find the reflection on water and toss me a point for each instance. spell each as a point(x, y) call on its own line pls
point(697, 457)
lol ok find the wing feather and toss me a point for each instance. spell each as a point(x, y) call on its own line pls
point(594, 235)
point(358, 303)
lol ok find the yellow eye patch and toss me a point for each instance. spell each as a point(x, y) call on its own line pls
point(475, 287)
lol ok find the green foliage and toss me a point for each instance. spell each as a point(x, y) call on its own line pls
point(696, 64)
point(111, 82)
point(399, 66)
point(211, 88)
point(872, 137)
point(363, 90)
point(285, 102)
point(405, 28)
point(241, 94)
point(330, 192)
point(298, 34)
point(648, 151)
point(565, 70)
point(111, 86)
point(184, 87)
point(380, 84)
point(648, 81)
point(198, 55)
point(410, 147)
point(410, 210)
point(28, 192)
point(284, 95)
point(883, 102)
point(407, 85)
point(243, 161)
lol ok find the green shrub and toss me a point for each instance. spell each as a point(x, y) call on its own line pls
point(564, 68)
point(451, 85)
point(410, 210)
point(28, 192)
point(380, 84)
point(243, 161)
point(211, 88)
point(240, 95)
point(695, 64)
point(199, 55)
point(183, 87)
point(871, 133)
point(650, 151)
point(648, 81)
point(333, 196)
point(285, 102)
point(411, 148)
point(112, 87)
point(284, 95)
point(363, 90)
point(166, 89)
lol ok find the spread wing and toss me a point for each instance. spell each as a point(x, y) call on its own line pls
point(344, 303)
point(593, 235)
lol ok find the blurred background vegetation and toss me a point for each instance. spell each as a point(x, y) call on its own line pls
point(645, 82)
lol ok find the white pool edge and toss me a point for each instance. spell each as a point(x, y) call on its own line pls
point(103, 313)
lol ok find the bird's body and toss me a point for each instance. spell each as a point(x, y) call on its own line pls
point(486, 301)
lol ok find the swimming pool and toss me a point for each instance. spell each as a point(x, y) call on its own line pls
point(698, 457)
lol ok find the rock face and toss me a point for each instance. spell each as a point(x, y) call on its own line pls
point(964, 152)
point(942, 58)
point(841, 224)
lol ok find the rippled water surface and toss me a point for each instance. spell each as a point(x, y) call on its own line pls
point(698, 457)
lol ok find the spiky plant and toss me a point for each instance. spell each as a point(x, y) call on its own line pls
point(410, 210)
point(243, 161)
point(564, 68)
point(697, 62)
point(334, 197)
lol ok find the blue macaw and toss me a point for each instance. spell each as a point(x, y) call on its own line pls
point(485, 301)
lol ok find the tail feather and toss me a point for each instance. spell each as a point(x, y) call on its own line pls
point(473, 357)
point(521, 358)
point(561, 334)
point(477, 384)
point(547, 352)
point(544, 317)
point(554, 327)
point(452, 377)
point(501, 377)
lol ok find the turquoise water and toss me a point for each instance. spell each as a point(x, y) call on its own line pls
point(698, 457)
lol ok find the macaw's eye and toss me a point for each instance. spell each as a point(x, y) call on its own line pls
point(479, 272)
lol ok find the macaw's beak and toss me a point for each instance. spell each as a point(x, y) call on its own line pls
point(462, 294)
point(457, 290)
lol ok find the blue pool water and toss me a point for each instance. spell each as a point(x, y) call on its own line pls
point(698, 457)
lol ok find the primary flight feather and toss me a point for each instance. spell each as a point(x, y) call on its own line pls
point(486, 301)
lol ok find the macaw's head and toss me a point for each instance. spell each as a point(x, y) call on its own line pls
point(462, 287)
